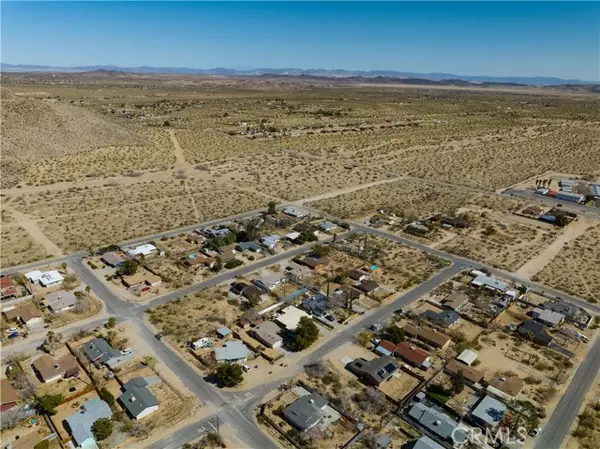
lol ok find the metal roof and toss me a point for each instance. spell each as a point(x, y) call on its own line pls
point(137, 397)
point(490, 410)
point(81, 422)
point(231, 351)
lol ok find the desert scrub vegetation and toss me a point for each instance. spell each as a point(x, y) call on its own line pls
point(575, 268)
point(18, 247)
point(292, 177)
point(191, 317)
point(117, 216)
point(406, 198)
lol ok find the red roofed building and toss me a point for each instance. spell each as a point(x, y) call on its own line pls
point(413, 355)
point(8, 287)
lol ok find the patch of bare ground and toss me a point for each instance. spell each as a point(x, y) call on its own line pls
point(406, 198)
point(18, 247)
point(116, 213)
point(575, 268)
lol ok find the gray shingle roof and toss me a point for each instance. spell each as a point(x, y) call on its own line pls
point(81, 422)
point(305, 412)
point(437, 422)
point(489, 410)
point(137, 397)
point(99, 350)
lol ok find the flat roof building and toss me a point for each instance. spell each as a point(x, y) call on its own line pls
point(290, 317)
point(489, 412)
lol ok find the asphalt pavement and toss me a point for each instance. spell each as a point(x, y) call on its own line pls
point(557, 427)
point(587, 211)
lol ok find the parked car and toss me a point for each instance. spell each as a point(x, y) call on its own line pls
point(535, 432)
point(158, 336)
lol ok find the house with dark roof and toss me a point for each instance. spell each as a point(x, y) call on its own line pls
point(535, 331)
point(306, 412)
point(314, 262)
point(99, 352)
point(113, 259)
point(470, 374)
point(137, 399)
point(358, 275)
point(373, 372)
point(8, 288)
point(438, 423)
point(444, 318)
point(428, 335)
point(367, 286)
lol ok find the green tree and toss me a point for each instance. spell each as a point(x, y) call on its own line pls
point(457, 379)
point(44, 444)
point(229, 374)
point(306, 334)
point(253, 301)
point(107, 396)
point(112, 322)
point(321, 250)
point(272, 208)
point(129, 268)
point(52, 342)
point(102, 429)
point(88, 289)
point(393, 334)
point(49, 402)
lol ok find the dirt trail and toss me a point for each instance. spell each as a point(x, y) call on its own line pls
point(343, 191)
point(572, 231)
point(33, 229)
point(179, 154)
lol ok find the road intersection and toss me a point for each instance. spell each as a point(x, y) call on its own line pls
point(240, 412)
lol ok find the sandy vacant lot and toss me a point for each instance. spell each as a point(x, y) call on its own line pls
point(575, 268)
point(18, 247)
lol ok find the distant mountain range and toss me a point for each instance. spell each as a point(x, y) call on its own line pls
point(335, 73)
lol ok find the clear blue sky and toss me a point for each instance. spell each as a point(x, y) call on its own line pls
point(467, 38)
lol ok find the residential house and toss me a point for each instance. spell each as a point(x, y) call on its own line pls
point(506, 388)
point(270, 241)
point(290, 317)
point(142, 250)
point(80, 423)
point(315, 262)
point(445, 318)
point(251, 291)
point(413, 355)
point(112, 259)
point(489, 412)
point(267, 333)
point(8, 288)
point(293, 212)
point(317, 306)
point(306, 412)
point(27, 314)
point(439, 424)
point(137, 399)
point(428, 335)
point(232, 351)
point(470, 374)
point(358, 275)
point(216, 233)
point(426, 443)
point(346, 293)
point(548, 317)
point(45, 279)
point(385, 348)
point(223, 332)
point(249, 246)
point(573, 313)
point(292, 236)
point(226, 255)
point(61, 301)
point(99, 352)
point(141, 278)
point(8, 396)
point(455, 301)
point(467, 357)
point(296, 272)
point(535, 332)
point(49, 368)
point(373, 372)
point(454, 222)
point(367, 286)
point(328, 226)
point(490, 283)
point(417, 228)
point(268, 280)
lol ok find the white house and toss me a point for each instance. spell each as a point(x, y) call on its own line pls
point(50, 278)
point(142, 250)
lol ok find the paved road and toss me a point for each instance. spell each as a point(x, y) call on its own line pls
point(136, 241)
point(560, 422)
